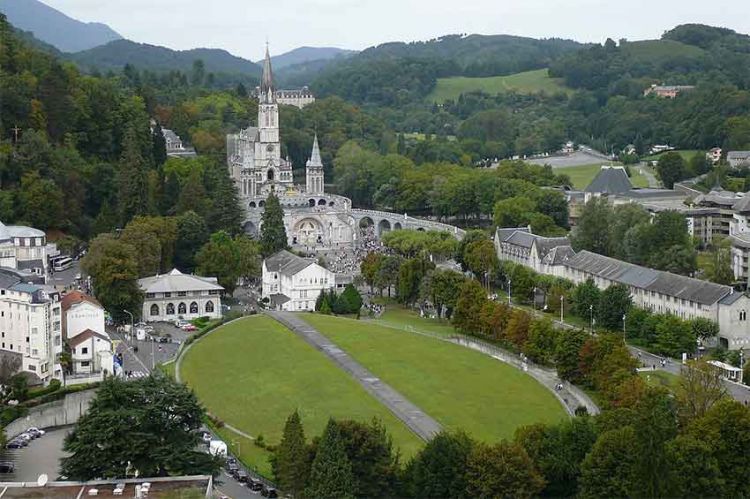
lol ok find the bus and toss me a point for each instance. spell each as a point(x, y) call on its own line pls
point(62, 264)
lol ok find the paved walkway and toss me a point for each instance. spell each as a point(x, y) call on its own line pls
point(419, 422)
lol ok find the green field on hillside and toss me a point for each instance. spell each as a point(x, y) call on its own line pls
point(528, 82)
point(253, 373)
point(582, 175)
point(687, 155)
point(660, 50)
point(457, 386)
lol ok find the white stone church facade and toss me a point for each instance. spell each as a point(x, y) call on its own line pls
point(313, 218)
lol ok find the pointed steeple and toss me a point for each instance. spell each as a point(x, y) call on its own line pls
point(266, 82)
point(315, 159)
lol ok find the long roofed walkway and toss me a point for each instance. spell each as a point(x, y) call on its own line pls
point(417, 420)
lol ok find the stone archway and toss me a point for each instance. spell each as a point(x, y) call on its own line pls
point(384, 226)
point(308, 232)
point(366, 222)
point(249, 228)
point(311, 203)
point(397, 226)
point(252, 204)
point(321, 202)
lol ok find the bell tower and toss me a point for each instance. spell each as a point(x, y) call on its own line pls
point(314, 173)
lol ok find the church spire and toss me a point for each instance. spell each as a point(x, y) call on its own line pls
point(266, 82)
point(315, 159)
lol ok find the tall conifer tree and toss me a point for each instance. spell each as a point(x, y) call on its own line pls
point(272, 232)
point(331, 473)
point(291, 466)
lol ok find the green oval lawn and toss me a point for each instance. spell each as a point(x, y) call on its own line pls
point(458, 387)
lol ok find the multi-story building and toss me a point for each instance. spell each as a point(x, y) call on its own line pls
point(85, 334)
point(738, 159)
point(175, 147)
point(655, 290)
point(23, 248)
point(180, 296)
point(293, 283)
point(31, 325)
point(300, 97)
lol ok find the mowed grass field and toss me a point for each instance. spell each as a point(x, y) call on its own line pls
point(458, 387)
point(528, 82)
point(582, 175)
point(253, 373)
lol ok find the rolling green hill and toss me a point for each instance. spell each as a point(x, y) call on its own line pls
point(659, 51)
point(528, 82)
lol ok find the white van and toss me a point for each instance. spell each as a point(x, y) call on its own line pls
point(217, 448)
point(140, 334)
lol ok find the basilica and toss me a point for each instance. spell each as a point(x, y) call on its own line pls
point(313, 219)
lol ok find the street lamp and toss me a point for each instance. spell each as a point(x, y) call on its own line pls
point(591, 311)
point(509, 303)
point(562, 309)
point(132, 321)
point(624, 316)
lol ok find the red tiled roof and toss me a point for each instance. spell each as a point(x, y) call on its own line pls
point(75, 297)
point(85, 335)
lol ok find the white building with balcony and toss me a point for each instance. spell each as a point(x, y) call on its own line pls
point(293, 283)
point(180, 296)
point(90, 345)
point(31, 325)
point(23, 248)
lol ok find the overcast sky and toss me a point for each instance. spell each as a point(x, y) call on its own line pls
point(242, 26)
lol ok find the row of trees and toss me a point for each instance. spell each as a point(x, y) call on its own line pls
point(348, 302)
point(627, 232)
point(650, 443)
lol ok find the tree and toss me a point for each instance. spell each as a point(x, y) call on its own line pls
point(387, 275)
point(192, 234)
point(558, 451)
point(41, 201)
point(272, 232)
point(701, 388)
point(719, 268)
point(592, 229)
point(370, 266)
point(248, 255)
point(470, 237)
point(439, 468)
point(540, 346)
point(586, 298)
point(699, 164)
point(113, 268)
point(567, 354)
point(467, 315)
point(226, 213)
point(410, 275)
point(481, 259)
point(369, 448)
point(614, 304)
point(331, 472)
point(704, 329)
point(349, 302)
point(513, 212)
point(193, 195)
point(159, 145)
point(502, 470)
point(441, 288)
point(671, 168)
point(609, 470)
point(693, 470)
point(132, 191)
point(146, 246)
point(220, 258)
point(291, 463)
point(156, 422)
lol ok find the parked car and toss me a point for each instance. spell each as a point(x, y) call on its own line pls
point(242, 477)
point(36, 431)
point(164, 339)
point(269, 492)
point(7, 467)
point(25, 436)
point(189, 327)
point(256, 485)
point(15, 444)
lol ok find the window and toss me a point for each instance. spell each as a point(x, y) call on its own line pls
point(27, 339)
point(154, 309)
point(209, 307)
point(181, 308)
point(182, 293)
point(35, 352)
point(170, 309)
point(58, 340)
point(194, 308)
point(84, 350)
point(85, 363)
point(213, 292)
point(32, 367)
point(167, 295)
point(150, 295)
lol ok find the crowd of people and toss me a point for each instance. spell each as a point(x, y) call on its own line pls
point(348, 260)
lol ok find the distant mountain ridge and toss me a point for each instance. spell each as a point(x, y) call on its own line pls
point(115, 55)
point(303, 55)
point(55, 28)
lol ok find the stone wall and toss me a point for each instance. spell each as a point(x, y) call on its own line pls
point(58, 413)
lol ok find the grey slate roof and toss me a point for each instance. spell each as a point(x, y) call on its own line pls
point(743, 204)
point(558, 255)
point(521, 238)
point(175, 281)
point(738, 155)
point(721, 198)
point(610, 180)
point(504, 233)
point(285, 262)
point(546, 244)
point(666, 283)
